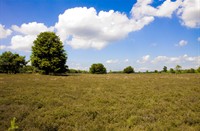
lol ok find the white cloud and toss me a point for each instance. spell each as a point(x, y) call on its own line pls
point(126, 60)
point(176, 60)
point(144, 59)
point(2, 47)
point(32, 28)
point(77, 66)
point(167, 8)
point(19, 42)
point(29, 34)
point(4, 32)
point(182, 43)
point(143, 9)
point(85, 28)
point(112, 61)
point(198, 39)
point(189, 13)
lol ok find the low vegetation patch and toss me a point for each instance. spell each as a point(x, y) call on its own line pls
point(100, 102)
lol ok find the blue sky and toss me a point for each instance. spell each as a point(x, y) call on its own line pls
point(145, 34)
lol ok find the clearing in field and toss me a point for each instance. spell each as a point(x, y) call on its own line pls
point(100, 102)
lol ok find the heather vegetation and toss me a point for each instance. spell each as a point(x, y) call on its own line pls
point(100, 102)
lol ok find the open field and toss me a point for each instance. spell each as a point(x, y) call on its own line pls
point(100, 102)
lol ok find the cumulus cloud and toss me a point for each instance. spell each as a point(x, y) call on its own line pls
point(112, 61)
point(176, 60)
point(182, 43)
point(19, 42)
point(144, 59)
point(143, 9)
point(85, 28)
point(189, 13)
point(32, 28)
point(4, 32)
point(29, 33)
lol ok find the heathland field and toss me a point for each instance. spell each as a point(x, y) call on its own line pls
point(88, 102)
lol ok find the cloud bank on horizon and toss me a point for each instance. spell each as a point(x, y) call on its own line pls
point(84, 28)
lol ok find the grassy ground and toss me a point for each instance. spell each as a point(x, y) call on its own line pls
point(101, 102)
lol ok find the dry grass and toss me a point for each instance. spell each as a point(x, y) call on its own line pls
point(101, 102)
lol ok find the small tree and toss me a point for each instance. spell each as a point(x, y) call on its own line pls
point(128, 70)
point(171, 70)
point(165, 69)
point(48, 54)
point(11, 63)
point(178, 69)
point(191, 70)
point(97, 69)
point(198, 69)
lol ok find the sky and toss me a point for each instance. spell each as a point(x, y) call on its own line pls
point(144, 34)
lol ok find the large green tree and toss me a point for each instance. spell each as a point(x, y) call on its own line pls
point(97, 69)
point(48, 54)
point(11, 63)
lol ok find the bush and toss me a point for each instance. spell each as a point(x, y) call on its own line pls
point(128, 70)
point(172, 70)
point(11, 62)
point(97, 69)
point(28, 69)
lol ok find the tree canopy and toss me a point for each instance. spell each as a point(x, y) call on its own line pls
point(178, 69)
point(97, 69)
point(48, 54)
point(128, 70)
point(11, 63)
point(165, 69)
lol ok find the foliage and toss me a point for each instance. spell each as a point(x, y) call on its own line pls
point(178, 69)
point(48, 53)
point(172, 70)
point(109, 102)
point(156, 71)
point(116, 72)
point(165, 69)
point(11, 63)
point(128, 70)
point(77, 71)
point(189, 70)
point(28, 69)
point(198, 69)
point(13, 125)
point(97, 69)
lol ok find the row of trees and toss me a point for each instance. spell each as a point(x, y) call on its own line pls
point(178, 69)
point(49, 57)
point(14, 63)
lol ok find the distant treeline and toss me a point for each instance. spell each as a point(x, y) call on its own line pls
point(13, 63)
point(31, 69)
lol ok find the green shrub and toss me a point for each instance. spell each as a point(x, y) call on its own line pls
point(128, 70)
point(97, 69)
